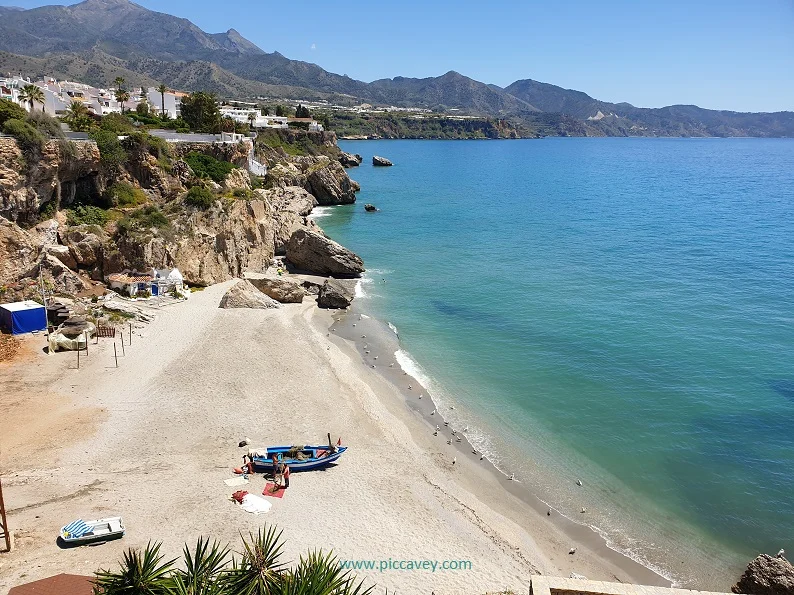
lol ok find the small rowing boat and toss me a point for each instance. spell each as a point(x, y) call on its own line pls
point(80, 532)
point(298, 458)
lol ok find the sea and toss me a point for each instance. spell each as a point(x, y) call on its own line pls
point(619, 311)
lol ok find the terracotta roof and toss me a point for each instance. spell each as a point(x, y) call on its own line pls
point(61, 584)
point(122, 278)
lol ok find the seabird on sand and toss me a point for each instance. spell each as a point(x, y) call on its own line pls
point(454, 460)
point(579, 482)
point(584, 510)
point(572, 551)
point(433, 412)
point(449, 441)
point(512, 476)
point(466, 429)
point(435, 433)
point(446, 423)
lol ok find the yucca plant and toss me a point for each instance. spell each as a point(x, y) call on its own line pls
point(260, 570)
point(141, 573)
point(320, 574)
point(203, 567)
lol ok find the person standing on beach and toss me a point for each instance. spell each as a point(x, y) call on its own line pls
point(286, 476)
point(276, 469)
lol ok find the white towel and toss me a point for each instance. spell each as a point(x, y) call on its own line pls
point(254, 504)
point(235, 481)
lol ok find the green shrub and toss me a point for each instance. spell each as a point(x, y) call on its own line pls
point(117, 123)
point(243, 193)
point(206, 166)
point(11, 111)
point(112, 154)
point(200, 197)
point(125, 195)
point(143, 142)
point(177, 124)
point(86, 215)
point(28, 137)
point(50, 127)
point(142, 219)
point(47, 210)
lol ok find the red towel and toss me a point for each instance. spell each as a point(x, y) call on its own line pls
point(273, 491)
point(239, 495)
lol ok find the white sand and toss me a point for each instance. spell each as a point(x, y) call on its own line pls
point(154, 440)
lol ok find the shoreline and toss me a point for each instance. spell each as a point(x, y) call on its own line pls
point(482, 471)
point(194, 382)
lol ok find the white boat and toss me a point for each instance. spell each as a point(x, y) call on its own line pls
point(79, 532)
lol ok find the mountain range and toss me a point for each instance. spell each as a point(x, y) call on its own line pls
point(97, 40)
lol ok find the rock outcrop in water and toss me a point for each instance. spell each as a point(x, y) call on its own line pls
point(350, 159)
point(381, 162)
point(767, 575)
point(313, 252)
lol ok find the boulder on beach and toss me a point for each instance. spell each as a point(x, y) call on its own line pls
point(350, 159)
point(313, 252)
point(282, 289)
point(244, 295)
point(381, 161)
point(767, 575)
point(335, 294)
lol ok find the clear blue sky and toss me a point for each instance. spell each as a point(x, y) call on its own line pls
point(725, 54)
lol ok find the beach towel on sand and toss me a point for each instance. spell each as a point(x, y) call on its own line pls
point(235, 481)
point(273, 491)
point(255, 504)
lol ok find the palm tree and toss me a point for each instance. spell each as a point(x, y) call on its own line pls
point(162, 90)
point(259, 571)
point(121, 97)
point(142, 573)
point(76, 110)
point(202, 570)
point(77, 115)
point(252, 119)
point(32, 94)
point(119, 82)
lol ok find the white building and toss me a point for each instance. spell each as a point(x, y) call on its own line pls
point(172, 100)
point(156, 282)
point(243, 114)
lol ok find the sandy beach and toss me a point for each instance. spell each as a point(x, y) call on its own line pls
point(154, 439)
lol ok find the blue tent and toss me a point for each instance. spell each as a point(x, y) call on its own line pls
point(23, 317)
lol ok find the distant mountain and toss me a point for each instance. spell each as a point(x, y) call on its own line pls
point(96, 40)
point(623, 119)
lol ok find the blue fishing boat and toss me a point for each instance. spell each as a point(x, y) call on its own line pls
point(298, 458)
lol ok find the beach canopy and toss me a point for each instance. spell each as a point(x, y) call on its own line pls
point(23, 317)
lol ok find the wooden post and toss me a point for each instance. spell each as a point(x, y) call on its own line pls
point(130, 333)
point(85, 333)
point(5, 532)
point(78, 356)
point(115, 355)
point(122, 342)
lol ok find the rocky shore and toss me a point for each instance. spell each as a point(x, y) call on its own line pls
point(248, 223)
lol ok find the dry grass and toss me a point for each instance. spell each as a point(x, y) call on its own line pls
point(9, 347)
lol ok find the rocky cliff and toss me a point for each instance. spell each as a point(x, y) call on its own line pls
point(240, 229)
point(62, 169)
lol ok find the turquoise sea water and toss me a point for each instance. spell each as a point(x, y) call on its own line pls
point(620, 310)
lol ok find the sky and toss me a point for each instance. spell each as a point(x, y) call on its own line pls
point(731, 54)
